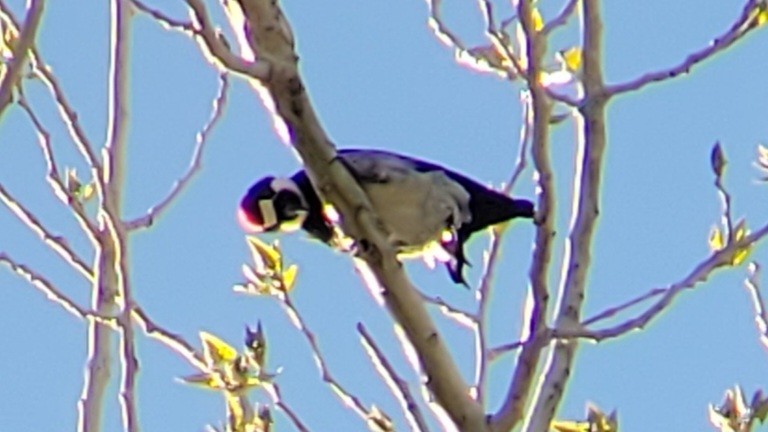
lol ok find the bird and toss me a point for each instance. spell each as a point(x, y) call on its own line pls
point(423, 205)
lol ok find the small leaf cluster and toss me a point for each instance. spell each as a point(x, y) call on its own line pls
point(268, 274)
point(735, 414)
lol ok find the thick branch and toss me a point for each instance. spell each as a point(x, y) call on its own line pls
point(577, 258)
point(540, 109)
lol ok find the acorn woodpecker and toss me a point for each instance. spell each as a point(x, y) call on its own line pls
point(421, 204)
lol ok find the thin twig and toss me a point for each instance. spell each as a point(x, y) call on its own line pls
point(535, 335)
point(496, 352)
point(195, 164)
point(610, 312)
point(746, 22)
point(53, 177)
point(752, 283)
point(397, 384)
point(20, 48)
point(722, 258)
point(51, 291)
point(173, 341)
point(461, 317)
point(57, 244)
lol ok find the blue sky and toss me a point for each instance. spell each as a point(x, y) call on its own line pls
point(379, 78)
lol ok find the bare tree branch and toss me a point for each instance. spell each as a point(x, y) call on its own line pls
point(53, 176)
point(610, 312)
point(577, 258)
point(534, 337)
point(57, 244)
point(217, 52)
point(173, 341)
point(195, 164)
point(111, 292)
point(700, 273)
point(51, 291)
point(20, 48)
point(398, 386)
point(461, 317)
point(115, 150)
point(752, 283)
point(745, 23)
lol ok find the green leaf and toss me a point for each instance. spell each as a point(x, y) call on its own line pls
point(289, 277)
point(216, 351)
point(264, 256)
point(203, 380)
point(716, 240)
point(739, 233)
point(571, 59)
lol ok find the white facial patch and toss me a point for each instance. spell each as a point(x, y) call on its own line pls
point(268, 215)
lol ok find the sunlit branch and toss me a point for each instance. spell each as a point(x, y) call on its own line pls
point(498, 351)
point(442, 32)
point(51, 291)
point(746, 22)
point(217, 52)
point(611, 312)
point(463, 318)
point(20, 47)
point(700, 273)
point(586, 198)
point(57, 243)
point(752, 283)
point(115, 273)
point(534, 335)
point(398, 386)
point(53, 177)
point(195, 164)
point(173, 341)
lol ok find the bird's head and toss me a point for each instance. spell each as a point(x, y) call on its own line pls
point(273, 204)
